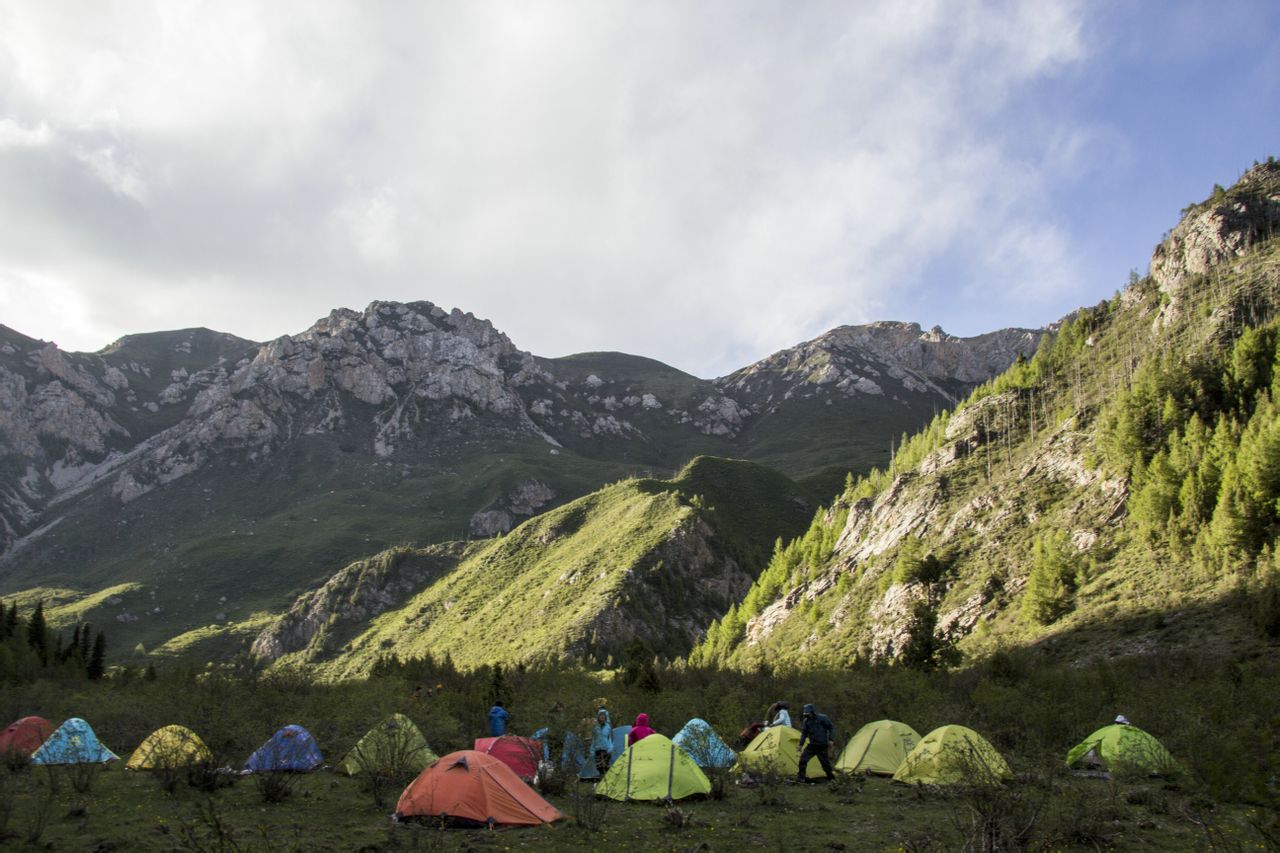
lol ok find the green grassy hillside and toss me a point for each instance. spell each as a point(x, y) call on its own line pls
point(1116, 494)
point(648, 559)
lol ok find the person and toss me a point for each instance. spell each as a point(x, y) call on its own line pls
point(779, 715)
point(498, 717)
point(602, 741)
point(816, 734)
point(749, 734)
point(640, 730)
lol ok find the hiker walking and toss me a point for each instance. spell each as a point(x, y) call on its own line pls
point(779, 714)
point(498, 717)
point(817, 730)
point(602, 741)
point(640, 730)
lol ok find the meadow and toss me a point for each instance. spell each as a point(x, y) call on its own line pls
point(1218, 719)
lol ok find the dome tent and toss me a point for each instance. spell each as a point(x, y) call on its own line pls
point(291, 748)
point(469, 788)
point(23, 737)
point(951, 755)
point(777, 750)
point(73, 743)
point(521, 754)
point(168, 747)
point(653, 769)
point(394, 745)
point(703, 744)
point(878, 747)
point(1121, 748)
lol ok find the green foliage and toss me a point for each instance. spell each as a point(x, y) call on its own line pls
point(1051, 584)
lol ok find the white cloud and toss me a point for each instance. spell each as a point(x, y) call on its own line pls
point(701, 183)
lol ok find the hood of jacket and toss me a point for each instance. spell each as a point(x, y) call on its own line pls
point(607, 720)
point(642, 721)
point(809, 709)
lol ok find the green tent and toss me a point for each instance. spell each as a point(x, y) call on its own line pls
point(777, 750)
point(395, 745)
point(1121, 748)
point(653, 769)
point(952, 755)
point(878, 747)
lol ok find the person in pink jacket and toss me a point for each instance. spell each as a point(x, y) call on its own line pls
point(640, 730)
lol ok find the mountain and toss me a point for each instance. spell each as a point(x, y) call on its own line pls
point(641, 559)
point(186, 487)
point(1119, 493)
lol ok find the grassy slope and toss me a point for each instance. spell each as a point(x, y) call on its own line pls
point(1132, 597)
point(533, 594)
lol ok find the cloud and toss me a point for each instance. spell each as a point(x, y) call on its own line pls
point(701, 183)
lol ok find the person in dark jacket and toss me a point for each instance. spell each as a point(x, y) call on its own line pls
point(640, 730)
point(816, 734)
point(498, 716)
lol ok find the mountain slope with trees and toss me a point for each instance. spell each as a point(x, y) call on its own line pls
point(1115, 494)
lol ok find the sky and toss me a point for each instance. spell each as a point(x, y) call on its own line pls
point(702, 183)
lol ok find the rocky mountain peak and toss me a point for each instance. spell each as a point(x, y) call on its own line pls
point(1224, 227)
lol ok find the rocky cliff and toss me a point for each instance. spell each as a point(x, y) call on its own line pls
point(1041, 472)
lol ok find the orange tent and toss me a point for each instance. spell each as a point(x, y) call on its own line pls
point(469, 788)
point(521, 754)
point(24, 737)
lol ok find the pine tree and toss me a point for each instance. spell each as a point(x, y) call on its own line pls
point(5, 633)
point(11, 621)
point(84, 642)
point(37, 635)
point(98, 662)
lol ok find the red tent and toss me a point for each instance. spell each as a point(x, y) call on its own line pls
point(24, 737)
point(469, 788)
point(521, 754)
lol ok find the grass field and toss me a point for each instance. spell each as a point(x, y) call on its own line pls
point(125, 810)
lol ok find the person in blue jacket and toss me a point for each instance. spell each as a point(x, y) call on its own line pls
point(498, 716)
point(602, 741)
point(816, 733)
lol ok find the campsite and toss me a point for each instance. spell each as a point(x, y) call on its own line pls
point(1032, 715)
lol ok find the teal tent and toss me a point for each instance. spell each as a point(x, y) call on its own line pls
point(73, 743)
point(703, 744)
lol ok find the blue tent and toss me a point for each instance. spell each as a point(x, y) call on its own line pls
point(572, 755)
point(73, 743)
point(291, 748)
point(620, 740)
point(703, 744)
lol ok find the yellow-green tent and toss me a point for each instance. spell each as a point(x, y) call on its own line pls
point(777, 750)
point(395, 745)
point(653, 769)
point(1119, 748)
point(168, 747)
point(878, 747)
point(953, 755)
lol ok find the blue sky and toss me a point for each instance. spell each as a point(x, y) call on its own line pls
point(699, 183)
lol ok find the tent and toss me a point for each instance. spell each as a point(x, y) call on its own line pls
point(23, 737)
point(73, 743)
point(703, 744)
point(653, 769)
point(168, 747)
point(878, 747)
point(469, 788)
point(395, 745)
point(572, 753)
point(777, 750)
point(620, 741)
point(519, 753)
point(952, 755)
point(1120, 748)
point(291, 748)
